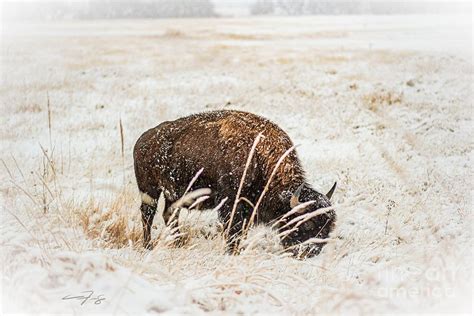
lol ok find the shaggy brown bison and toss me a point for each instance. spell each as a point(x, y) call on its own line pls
point(168, 156)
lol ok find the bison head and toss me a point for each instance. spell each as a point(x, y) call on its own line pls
point(310, 221)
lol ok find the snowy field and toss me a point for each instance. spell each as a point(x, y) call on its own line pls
point(383, 105)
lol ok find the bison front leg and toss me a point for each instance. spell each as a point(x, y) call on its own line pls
point(148, 213)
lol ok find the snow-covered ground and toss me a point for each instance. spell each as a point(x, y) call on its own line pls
point(381, 104)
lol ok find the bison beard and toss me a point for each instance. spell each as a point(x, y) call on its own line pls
point(217, 144)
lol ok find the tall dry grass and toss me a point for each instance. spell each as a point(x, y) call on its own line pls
point(385, 141)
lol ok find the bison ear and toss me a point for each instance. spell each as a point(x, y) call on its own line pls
point(295, 197)
point(329, 194)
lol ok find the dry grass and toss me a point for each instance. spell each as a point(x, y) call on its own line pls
point(30, 108)
point(173, 33)
point(71, 219)
point(375, 101)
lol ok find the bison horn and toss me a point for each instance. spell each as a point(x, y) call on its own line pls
point(295, 197)
point(329, 194)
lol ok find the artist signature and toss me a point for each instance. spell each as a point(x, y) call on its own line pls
point(84, 298)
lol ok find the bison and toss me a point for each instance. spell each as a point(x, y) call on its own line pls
point(168, 156)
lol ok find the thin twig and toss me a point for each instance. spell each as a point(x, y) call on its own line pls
point(215, 209)
point(189, 198)
point(49, 120)
point(121, 138)
point(246, 201)
point(267, 185)
point(242, 179)
point(49, 159)
point(27, 230)
point(26, 193)
point(122, 149)
point(6, 168)
point(18, 168)
point(307, 216)
point(196, 176)
point(198, 200)
point(297, 209)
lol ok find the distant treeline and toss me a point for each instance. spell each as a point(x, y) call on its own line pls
point(107, 9)
point(126, 9)
point(309, 7)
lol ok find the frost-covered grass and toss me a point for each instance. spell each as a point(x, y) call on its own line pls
point(374, 103)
